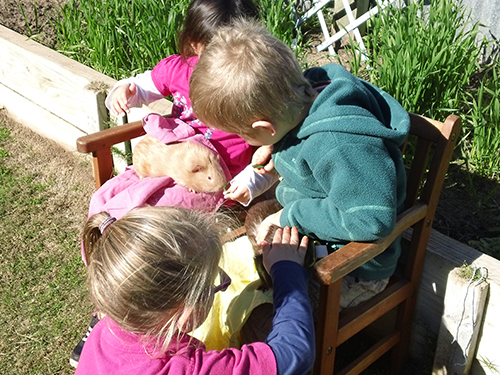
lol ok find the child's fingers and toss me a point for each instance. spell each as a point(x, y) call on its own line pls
point(269, 167)
point(117, 109)
point(278, 235)
point(294, 236)
point(304, 242)
point(132, 89)
point(303, 247)
point(124, 104)
point(285, 245)
point(285, 237)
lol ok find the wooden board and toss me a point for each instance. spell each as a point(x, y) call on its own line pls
point(53, 94)
point(62, 86)
point(464, 307)
point(39, 119)
point(443, 255)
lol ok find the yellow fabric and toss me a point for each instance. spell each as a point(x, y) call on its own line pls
point(241, 307)
point(232, 307)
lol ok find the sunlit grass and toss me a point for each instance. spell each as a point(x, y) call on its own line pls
point(120, 38)
point(427, 58)
point(43, 304)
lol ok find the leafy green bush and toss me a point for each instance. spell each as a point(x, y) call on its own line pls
point(428, 58)
point(481, 142)
point(117, 37)
point(121, 38)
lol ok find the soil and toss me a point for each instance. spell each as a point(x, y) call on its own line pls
point(469, 208)
point(29, 17)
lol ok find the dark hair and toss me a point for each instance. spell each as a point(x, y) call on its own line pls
point(204, 17)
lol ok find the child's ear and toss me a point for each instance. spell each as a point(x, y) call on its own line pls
point(265, 125)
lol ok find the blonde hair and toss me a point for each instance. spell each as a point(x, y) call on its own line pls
point(153, 270)
point(245, 75)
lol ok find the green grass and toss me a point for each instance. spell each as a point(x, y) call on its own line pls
point(139, 33)
point(428, 63)
point(118, 38)
point(481, 143)
point(43, 307)
point(431, 65)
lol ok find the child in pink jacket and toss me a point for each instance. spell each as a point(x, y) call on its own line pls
point(152, 274)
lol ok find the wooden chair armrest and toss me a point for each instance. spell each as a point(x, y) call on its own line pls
point(351, 256)
point(234, 234)
point(104, 139)
point(100, 143)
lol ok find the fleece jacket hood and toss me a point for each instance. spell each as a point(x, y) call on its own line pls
point(353, 106)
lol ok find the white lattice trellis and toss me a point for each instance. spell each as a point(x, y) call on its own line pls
point(354, 23)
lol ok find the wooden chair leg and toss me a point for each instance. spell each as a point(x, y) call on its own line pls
point(327, 327)
point(404, 320)
point(103, 166)
point(406, 310)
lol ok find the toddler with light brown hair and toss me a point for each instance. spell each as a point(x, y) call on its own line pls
point(333, 138)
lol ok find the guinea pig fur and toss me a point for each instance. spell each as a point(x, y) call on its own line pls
point(255, 215)
point(189, 164)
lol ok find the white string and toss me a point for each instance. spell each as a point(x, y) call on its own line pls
point(484, 275)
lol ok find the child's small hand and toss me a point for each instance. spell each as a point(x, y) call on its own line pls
point(285, 246)
point(239, 193)
point(262, 158)
point(120, 98)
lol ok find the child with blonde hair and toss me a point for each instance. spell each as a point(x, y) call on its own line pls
point(152, 274)
point(333, 138)
point(170, 77)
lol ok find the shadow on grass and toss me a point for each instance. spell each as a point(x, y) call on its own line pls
point(469, 210)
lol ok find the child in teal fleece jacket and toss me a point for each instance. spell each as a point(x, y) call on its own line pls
point(335, 139)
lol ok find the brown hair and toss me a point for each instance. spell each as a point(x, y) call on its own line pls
point(152, 271)
point(245, 75)
point(204, 17)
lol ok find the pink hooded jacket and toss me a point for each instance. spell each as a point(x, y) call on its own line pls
point(127, 191)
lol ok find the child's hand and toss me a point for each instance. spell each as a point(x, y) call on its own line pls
point(262, 158)
point(119, 99)
point(267, 223)
point(285, 246)
point(239, 193)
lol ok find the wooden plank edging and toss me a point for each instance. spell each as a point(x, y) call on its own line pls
point(54, 95)
point(443, 255)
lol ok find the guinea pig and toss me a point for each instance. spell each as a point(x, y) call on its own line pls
point(190, 164)
point(255, 215)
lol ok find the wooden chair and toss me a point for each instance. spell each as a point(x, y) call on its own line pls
point(428, 163)
point(100, 143)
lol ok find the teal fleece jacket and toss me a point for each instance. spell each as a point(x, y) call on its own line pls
point(342, 173)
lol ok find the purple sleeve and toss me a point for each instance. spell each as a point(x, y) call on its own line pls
point(292, 334)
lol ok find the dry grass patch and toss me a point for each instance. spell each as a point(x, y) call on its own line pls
point(44, 197)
